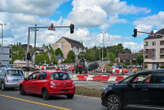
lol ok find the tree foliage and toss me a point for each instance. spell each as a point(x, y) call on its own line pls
point(17, 52)
point(42, 58)
point(70, 57)
point(139, 59)
point(58, 52)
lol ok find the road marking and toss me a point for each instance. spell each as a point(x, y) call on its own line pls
point(34, 102)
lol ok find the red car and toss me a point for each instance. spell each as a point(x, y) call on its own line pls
point(48, 83)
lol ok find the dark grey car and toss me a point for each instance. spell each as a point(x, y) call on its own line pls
point(10, 78)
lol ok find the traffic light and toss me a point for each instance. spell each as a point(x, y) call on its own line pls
point(135, 33)
point(28, 56)
point(72, 28)
point(51, 27)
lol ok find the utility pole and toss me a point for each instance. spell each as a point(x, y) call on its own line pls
point(35, 37)
point(103, 46)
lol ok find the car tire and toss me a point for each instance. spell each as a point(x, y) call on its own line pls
point(113, 102)
point(70, 96)
point(21, 90)
point(45, 94)
point(3, 87)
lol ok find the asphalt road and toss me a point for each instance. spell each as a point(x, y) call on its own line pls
point(12, 100)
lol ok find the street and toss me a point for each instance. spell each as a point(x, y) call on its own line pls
point(12, 100)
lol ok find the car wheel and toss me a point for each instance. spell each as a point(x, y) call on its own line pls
point(113, 102)
point(45, 94)
point(21, 90)
point(3, 86)
point(70, 96)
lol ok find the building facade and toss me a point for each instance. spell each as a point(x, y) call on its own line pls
point(154, 50)
point(66, 45)
point(4, 55)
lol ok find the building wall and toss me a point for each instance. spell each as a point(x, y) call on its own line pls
point(4, 55)
point(64, 45)
point(149, 48)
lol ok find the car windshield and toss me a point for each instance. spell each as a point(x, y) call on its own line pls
point(14, 73)
point(126, 79)
point(60, 76)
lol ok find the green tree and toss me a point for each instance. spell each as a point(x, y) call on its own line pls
point(111, 56)
point(117, 49)
point(58, 52)
point(71, 57)
point(93, 54)
point(139, 59)
point(42, 58)
point(17, 52)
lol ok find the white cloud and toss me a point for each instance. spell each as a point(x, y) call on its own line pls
point(133, 46)
point(19, 15)
point(35, 7)
point(147, 23)
point(101, 12)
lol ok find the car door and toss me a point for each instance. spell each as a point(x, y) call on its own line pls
point(136, 92)
point(157, 90)
point(42, 80)
point(30, 83)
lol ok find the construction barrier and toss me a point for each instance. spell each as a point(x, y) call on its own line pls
point(103, 78)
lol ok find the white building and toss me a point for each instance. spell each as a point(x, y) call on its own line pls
point(4, 55)
point(154, 50)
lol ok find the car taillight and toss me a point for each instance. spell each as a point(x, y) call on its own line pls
point(52, 84)
point(6, 80)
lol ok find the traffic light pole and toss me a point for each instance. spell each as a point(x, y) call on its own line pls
point(51, 27)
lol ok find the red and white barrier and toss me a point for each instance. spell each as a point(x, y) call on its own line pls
point(103, 78)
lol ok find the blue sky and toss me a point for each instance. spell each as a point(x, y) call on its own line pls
point(117, 18)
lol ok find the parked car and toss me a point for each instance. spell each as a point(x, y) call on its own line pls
point(10, 78)
point(48, 83)
point(144, 89)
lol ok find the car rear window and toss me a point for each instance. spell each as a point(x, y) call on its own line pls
point(60, 76)
point(14, 73)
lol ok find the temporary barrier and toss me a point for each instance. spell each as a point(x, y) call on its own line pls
point(103, 78)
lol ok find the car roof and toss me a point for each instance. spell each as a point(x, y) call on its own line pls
point(153, 71)
point(11, 69)
point(51, 71)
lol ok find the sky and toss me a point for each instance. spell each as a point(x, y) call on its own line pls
point(116, 18)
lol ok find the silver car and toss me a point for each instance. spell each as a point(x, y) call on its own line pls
point(10, 78)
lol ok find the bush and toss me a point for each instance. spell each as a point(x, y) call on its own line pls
point(162, 66)
point(85, 91)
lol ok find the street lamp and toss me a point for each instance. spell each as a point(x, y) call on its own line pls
point(2, 25)
point(103, 46)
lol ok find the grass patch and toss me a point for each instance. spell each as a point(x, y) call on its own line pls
point(86, 91)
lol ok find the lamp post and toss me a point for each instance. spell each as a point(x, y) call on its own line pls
point(2, 25)
point(103, 46)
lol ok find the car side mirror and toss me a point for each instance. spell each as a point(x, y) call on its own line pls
point(26, 79)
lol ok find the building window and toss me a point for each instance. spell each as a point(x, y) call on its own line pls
point(161, 56)
point(146, 44)
point(146, 53)
point(162, 42)
point(153, 54)
point(161, 51)
point(153, 43)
